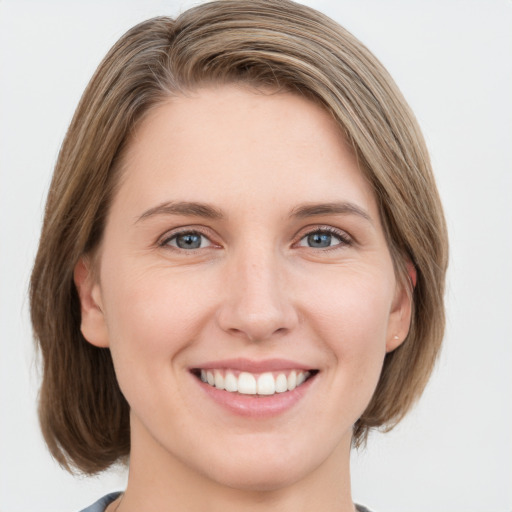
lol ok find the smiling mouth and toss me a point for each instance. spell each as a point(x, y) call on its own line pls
point(246, 383)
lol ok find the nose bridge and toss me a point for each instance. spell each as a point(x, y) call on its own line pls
point(257, 303)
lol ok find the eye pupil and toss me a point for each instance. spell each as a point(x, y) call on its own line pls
point(189, 241)
point(319, 239)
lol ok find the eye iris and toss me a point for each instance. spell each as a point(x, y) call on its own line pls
point(188, 241)
point(319, 240)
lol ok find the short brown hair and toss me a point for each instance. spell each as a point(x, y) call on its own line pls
point(276, 43)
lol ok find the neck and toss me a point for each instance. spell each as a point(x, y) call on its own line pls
point(160, 482)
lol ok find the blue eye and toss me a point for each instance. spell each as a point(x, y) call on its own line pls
point(188, 240)
point(322, 239)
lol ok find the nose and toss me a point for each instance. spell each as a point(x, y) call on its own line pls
point(257, 304)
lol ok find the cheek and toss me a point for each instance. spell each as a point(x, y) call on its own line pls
point(152, 321)
point(151, 317)
point(351, 306)
point(350, 316)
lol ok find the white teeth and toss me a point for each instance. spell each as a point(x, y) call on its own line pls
point(230, 382)
point(246, 383)
point(281, 383)
point(266, 384)
point(292, 381)
point(219, 380)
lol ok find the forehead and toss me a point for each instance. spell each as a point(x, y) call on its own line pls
point(221, 143)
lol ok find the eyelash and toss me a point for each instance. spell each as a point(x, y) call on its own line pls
point(194, 231)
point(344, 239)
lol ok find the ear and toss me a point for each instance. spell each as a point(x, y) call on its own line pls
point(401, 311)
point(93, 324)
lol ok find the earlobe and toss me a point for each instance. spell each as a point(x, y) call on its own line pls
point(93, 324)
point(401, 314)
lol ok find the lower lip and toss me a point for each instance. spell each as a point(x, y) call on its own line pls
point(257, 406)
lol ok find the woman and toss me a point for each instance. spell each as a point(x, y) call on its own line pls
point(242, 263)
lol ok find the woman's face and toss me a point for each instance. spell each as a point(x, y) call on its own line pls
point(243, 247)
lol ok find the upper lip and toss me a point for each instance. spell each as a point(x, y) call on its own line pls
point(252, 366)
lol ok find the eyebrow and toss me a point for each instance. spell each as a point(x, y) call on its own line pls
point(336, 208)
point(183, 208)
point(207, 211)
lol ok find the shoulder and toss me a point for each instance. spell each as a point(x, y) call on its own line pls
point(102, 503)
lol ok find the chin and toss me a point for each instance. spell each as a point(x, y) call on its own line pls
point(264, 469)
point(265, 478)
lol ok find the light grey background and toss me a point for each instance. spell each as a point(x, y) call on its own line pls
point(453, 61)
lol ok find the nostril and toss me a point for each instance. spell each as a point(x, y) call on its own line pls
point(257, 315)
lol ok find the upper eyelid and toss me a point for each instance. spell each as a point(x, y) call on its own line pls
point(307, 230)
point(210, 235)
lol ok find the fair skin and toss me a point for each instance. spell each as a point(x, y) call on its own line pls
point(243, 239)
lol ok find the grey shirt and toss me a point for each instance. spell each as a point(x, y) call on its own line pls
point(104, 502)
